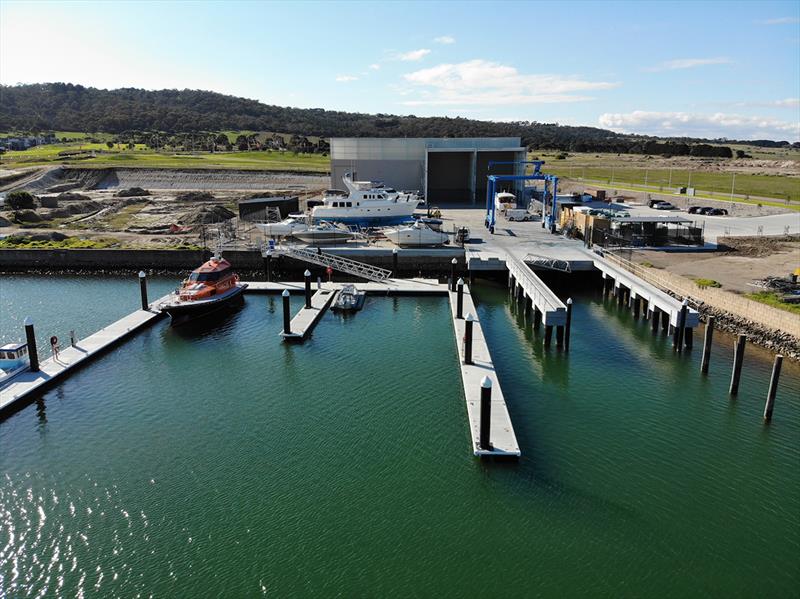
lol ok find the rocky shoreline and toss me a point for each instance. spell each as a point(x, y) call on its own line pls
point(777, 341)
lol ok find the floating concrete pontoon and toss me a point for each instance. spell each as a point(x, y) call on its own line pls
point(387, 287)
point(503, 439)
point(52, 370)
point(307, 318)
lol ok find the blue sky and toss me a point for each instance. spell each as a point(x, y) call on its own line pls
point(729, 69)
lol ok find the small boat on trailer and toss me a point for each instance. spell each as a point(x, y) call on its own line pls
point(349, 299)
point(212, 287)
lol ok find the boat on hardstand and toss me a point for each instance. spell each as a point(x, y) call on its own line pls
point(324, 233)
point(366, 204)
point(294, 223)
point(416, 234)
point(212, 287)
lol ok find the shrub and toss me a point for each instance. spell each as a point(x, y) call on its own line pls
point(20, 200)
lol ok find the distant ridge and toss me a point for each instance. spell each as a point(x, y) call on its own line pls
point(68, 107)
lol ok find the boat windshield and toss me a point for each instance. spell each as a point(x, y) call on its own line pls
point(206, 276)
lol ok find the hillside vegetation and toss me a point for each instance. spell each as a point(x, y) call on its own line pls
point(67, 107)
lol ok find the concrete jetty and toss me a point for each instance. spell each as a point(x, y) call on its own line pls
point(306, 319)
point(503, 439)
point(639, 288)
point(52, 370)
point(554, 311)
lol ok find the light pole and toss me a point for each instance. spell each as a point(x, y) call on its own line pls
point(733, 185)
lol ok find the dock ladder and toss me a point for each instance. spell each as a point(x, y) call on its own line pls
point(346, 265)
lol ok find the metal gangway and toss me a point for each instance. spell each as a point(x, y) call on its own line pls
point(538, 261)
point(339, 263)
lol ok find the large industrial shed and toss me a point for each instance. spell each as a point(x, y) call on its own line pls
point(446, 170)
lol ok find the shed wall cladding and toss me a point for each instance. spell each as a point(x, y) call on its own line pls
point(482, 171)
point(449, 177)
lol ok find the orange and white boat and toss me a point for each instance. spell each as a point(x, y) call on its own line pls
point(210, 288)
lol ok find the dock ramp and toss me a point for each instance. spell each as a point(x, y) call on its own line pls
point(339, 263)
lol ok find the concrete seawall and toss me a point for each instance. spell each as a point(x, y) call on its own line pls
point(410, 263)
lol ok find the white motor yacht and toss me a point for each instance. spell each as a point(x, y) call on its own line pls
point(365, 203)
point(416, 234)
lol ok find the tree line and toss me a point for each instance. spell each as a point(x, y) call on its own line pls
point(192, 115)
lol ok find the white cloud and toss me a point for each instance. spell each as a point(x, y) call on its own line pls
point(779, 21)
point(374, 66)
point(478, 82)
point(413, 55)
point(346, 78)
point(445, 39)
point(678, 124)
point(688, 63)
point(792, 103)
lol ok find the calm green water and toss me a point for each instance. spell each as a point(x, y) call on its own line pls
point(220, 462)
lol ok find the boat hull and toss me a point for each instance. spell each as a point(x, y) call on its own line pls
point(184, 312)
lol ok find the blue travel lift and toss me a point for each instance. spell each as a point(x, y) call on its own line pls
point(548, 198)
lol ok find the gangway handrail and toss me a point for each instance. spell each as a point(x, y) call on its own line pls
point(340, 263)
point(535, 285)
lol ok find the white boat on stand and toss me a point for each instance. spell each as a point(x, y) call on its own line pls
point(324, 233)
point(416, 234)
point(366, 204)
point(294, 223)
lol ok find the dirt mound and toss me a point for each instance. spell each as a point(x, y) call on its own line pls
point(132, 192)
point(27, 216)
point(195, 196)
point(67, 197)
point(755, 246)
point(52, 213)
point(206, 215)
point(84, 207)
point(4, 222)
point(17, 238)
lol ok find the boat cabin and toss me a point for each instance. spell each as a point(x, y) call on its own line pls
point(13, 356)
point(211, 271)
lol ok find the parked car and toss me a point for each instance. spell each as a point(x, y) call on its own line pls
point(717, 212)
point(652, 203)
point(664, 206)
point(695, 210)
point(705, 210)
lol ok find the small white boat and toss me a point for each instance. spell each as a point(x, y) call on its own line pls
point(324, 233)
point(349, 299)
point(417, 234)
point(291, 224)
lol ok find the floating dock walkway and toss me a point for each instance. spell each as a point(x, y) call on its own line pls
point(307, 318)
point(52, 370)
point(503, 439)
point(387, 287)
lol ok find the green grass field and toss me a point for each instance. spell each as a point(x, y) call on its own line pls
point(142, 157)
point(634, 173)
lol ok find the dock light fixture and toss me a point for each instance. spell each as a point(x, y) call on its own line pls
point(468, 324)
point(287, 327)
point(30, 338)
point(453, 263)
point(460, 299)
point(307, 277)
point(394, 261)
point(486, 413)
point(143, 290)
